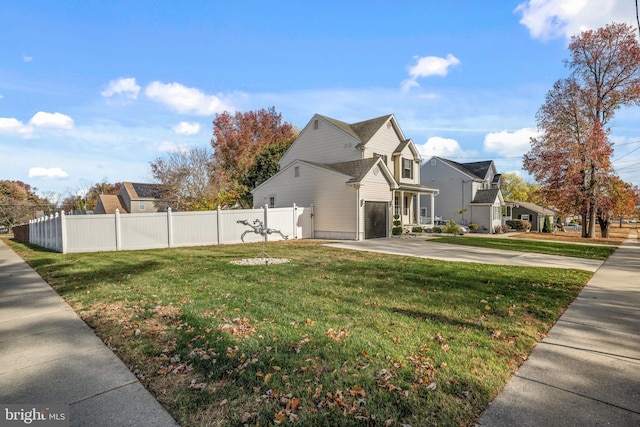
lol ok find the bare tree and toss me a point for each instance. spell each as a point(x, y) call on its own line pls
point(187, 177)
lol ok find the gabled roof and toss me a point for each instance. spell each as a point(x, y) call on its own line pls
point(535, 208)
point(362, 131)
point(356, 169)
point(138, 190)
point(111, 202)
point(486, 196)
point(477, 170)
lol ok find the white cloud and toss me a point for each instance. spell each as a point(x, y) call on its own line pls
point(510, 144)
point(27, 58)
point(185, 100)
point(438, 146)
point(186, 128)
point(172, 147)
point(126, 88)
point(51, 120)
point(47, 173)
point(12, 125)
point(549, 19)
point(429, 66)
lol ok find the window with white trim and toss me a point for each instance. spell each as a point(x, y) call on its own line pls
point(407, 168)
point(141, 205)
point(525, 217)
point(296, 171)
point(272, 201)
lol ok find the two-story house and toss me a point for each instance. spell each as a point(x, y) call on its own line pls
point(133, 197)
point(357, 177)
point(469, 192)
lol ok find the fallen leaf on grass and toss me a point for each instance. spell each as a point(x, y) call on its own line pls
point(357, 391)
point(337, 335)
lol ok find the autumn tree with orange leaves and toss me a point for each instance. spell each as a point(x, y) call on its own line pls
point(571, 158)
point(237, 141)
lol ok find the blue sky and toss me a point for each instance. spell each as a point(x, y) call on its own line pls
point(93, 90)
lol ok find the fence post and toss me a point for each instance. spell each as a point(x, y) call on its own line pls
point(54, 237)
point(169, 227)
point(313, 226)
point(63, 232)
point(266, 221)
point(219, 223)
point(295, 221)
point(117, 230)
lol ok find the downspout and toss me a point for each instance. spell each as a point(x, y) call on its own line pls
point(357, 187)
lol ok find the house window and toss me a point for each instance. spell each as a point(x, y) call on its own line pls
point(405, 211)
point(141, 205)
point(525, 217)
point(316, 124)
point(396, 205)
point(407, 168)
point(381, 156)
point(272, 201)
point(497, 212)
point(296, 171)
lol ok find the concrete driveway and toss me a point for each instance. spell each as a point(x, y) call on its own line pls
point(422, 248)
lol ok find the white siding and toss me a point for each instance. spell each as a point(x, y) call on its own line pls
point(383, 142)
point(334, 201)
point(327, 144)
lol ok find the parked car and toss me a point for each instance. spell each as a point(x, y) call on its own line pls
point(4, 229)
point(463, 229)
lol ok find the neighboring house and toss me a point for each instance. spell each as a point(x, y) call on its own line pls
point(133, 197)
point(356, 176)
point(533, 213)
point(470, 187)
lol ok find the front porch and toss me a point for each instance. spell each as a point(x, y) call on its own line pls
point(406, 204)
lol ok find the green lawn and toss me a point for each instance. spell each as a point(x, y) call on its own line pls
point(334, 337)
point(600, 252)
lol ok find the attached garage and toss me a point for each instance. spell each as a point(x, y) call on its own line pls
point(375, 219)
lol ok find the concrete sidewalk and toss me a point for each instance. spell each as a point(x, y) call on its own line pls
point(587, 371)
point(48, 355)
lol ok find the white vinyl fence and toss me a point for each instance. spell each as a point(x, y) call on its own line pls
point(92, 233)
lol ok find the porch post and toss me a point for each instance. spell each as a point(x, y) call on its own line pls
point(433, 219)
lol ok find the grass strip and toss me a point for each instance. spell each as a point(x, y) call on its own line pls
point(598, 252)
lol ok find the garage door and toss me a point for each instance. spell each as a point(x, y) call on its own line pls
point(375, 220)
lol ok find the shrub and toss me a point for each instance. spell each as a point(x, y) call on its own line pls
point(497, 229)
point(416, 230)
point(505, 228)
point(397, 227)
point(473, 227)
point(518, 224)
point(547, 228)
point(451, 227)
point(437, 229)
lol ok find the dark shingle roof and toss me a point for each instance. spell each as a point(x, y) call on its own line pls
point(356, 169)
point(486, 196)
point(476, 169)
point(151, 191)
point(362, 131)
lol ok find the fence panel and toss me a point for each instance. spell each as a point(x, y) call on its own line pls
point(144, 231)
point(194, 228)
point(90, 233)
point(231, 231)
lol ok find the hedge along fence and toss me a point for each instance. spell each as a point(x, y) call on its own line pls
point(93, 233)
